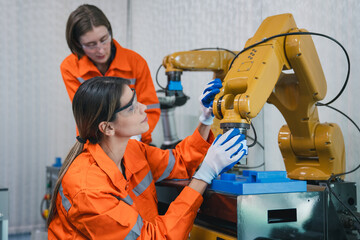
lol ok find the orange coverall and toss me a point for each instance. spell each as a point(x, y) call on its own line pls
point(126, 64)
point(95, 201)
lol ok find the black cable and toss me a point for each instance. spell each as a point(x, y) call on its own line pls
point(357, 127)
point(214, 48)
point(256, 142)
point(255, 136)
point(305, 33)
point(251, 145)
point(337, 110)
point(156, 78)
point(41, 206)
point(334, 176)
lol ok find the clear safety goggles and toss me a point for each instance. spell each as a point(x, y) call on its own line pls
point(97, 45)
point(131, 107)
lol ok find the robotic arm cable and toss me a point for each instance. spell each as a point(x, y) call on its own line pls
point(306, 33)
point(214, 48)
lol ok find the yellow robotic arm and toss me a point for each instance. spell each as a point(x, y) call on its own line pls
point(215, 61)
point(311, 150)
point(211, 61)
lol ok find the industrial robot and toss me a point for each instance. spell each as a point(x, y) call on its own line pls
point(312, 151)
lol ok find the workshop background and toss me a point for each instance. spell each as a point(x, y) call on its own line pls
point(36, 123)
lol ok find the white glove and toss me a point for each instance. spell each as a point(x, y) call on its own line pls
point(223, 154)
point(206, 101)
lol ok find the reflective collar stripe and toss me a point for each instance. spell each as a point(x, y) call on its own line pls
point(143, 185)
point(169, 167)
point(152, 106)
point(132, 80)
point(65, 202)
point(81, 80)
point(136, 230)
point(128, 200)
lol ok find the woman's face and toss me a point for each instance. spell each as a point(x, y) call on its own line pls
point(97, 44)
point(132, 120)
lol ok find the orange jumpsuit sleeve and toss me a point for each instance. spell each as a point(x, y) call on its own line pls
point(70, 81)
point(144, 86)
point(100, 215)
point(181, 162)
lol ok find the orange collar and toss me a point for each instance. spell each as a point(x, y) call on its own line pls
point(106, 164)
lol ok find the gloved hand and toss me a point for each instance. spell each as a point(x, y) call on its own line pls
point(224, 153)
point(206, 101)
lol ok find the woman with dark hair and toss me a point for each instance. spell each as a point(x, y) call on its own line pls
point(95, 53)
point(106, 186)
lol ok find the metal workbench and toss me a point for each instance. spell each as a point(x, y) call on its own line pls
point(4, 213)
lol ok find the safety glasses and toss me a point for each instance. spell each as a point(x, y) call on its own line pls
point(132, 103)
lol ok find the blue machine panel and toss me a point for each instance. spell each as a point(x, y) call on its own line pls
point(257, 182)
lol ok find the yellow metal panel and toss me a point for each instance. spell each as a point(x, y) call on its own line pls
point(203, 233)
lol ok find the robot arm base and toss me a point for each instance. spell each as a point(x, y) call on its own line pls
point(241, 126)
point(329, 158)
